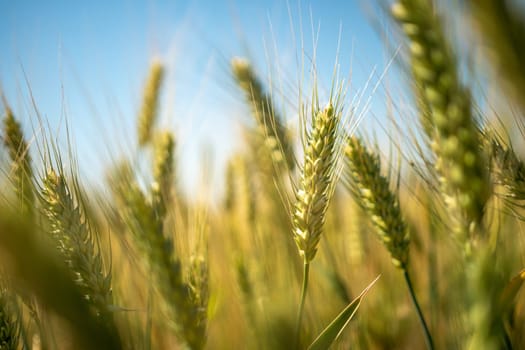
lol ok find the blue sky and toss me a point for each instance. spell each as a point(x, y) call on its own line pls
point(87, 61)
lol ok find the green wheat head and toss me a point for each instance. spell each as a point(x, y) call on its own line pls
point(270, 127)
point(150, 101)
point(455, 139)
point(372, 191)
point(72, 234)
point(18, 149)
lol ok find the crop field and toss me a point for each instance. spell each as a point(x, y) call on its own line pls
point(319, 236)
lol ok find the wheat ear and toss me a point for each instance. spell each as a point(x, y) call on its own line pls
point(372, 191)
point(150, 101)
point(18, 151)
point(315, 189)
point(455, 137)
point(270, 127)
point(73, 237)
point(316, 183)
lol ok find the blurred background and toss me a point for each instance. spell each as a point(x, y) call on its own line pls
point(86, 62)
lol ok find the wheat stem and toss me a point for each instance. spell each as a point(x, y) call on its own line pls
point(428, 335)
point(304, 288)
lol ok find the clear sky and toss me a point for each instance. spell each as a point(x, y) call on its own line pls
point(87, 61)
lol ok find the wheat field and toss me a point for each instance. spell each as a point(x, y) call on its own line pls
point(320, 238)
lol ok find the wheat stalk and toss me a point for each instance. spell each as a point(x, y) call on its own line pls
point(372, 191)
point(315, 189)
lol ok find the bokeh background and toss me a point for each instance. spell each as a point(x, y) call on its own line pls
point(86, 63)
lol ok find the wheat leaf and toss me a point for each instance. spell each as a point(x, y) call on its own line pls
point(336, 327)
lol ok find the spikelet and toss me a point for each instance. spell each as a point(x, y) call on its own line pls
point(317, 180)
point(455, 138)
point(163, 172)
point(372, 191)
point(73, 237)
point(150, 101)
point(270, 127)
point(19, 153)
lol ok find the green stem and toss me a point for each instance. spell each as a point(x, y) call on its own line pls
point(428, 336)
point(306, 272)
point(433, 278)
